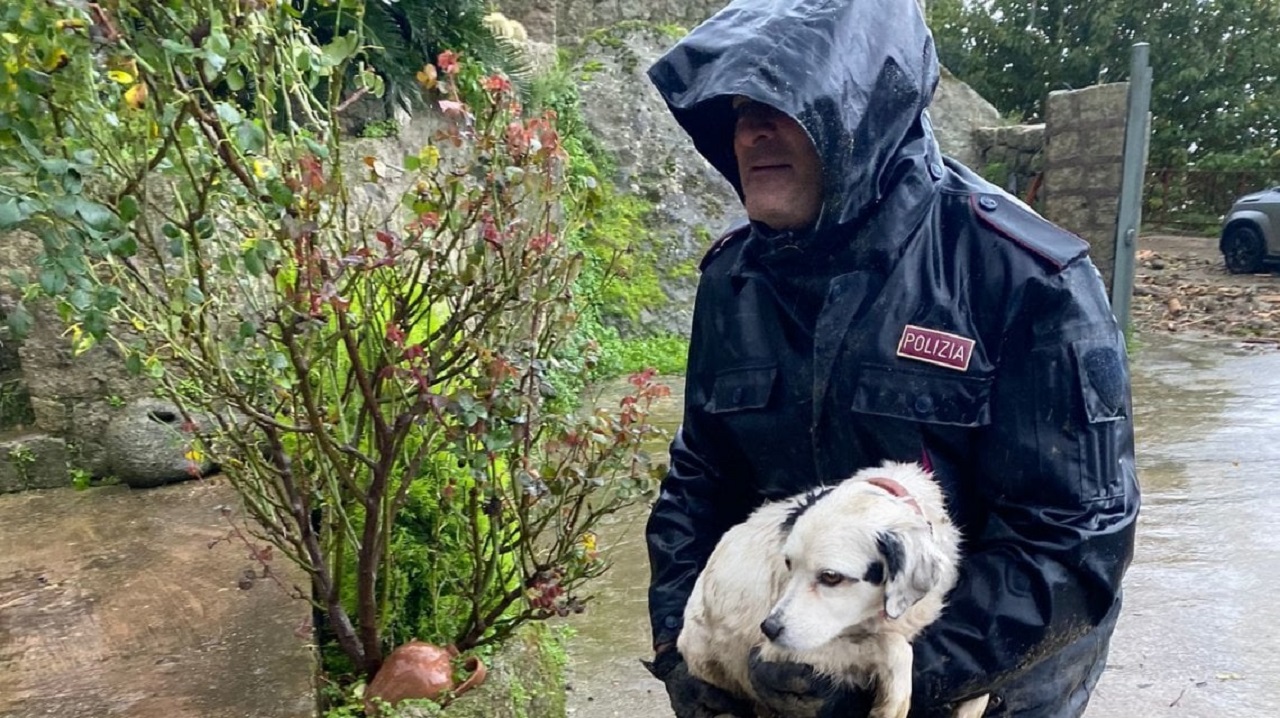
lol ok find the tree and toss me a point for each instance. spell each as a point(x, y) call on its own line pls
point(1216, 63)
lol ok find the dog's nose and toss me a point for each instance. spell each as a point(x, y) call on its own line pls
point(772, 628)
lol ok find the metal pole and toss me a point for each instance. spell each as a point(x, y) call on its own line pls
point(1129, 218)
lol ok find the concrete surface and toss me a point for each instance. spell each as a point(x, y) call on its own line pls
point(112, 603)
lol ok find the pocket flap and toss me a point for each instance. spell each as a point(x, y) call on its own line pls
point(742, 388)
point(919, 396)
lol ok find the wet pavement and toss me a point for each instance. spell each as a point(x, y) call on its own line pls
point(112, 603)
point(1200, 627)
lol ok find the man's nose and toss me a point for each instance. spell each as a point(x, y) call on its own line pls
point(753, 129)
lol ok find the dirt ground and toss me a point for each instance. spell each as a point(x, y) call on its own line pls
point(1182, 286)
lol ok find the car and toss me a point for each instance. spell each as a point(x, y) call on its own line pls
point(1251, 232)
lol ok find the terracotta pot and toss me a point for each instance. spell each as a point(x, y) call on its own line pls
point(421, 670)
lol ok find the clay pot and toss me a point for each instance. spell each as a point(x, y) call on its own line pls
point(421, 670)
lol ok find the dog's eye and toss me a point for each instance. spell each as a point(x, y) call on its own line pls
point(787, 561)
point(830, 578)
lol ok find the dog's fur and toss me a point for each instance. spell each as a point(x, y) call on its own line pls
point(842, 578)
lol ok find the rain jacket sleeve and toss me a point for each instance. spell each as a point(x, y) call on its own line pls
point(704, 493)
point(1056, 471)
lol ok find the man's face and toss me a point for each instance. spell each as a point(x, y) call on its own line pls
point(779, 167)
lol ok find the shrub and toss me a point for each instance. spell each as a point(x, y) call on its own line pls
point(379, 376)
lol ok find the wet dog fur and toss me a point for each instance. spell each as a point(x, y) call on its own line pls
point(841, 578)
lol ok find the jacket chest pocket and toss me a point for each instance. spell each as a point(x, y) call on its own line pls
point(742, 389)
point(925, 397)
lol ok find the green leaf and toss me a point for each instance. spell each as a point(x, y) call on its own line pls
point(235, 79)
point(194, 295)
point(340, 49)
point(253, 262)
point(133, 363)
point(280, 193)
point(316, 148)
point(53, 281)
point(250, 137)
point(218, 43)
point(86, 157)
point(10, 214)
point(65, 207)
point(19, 321)
point(95, 215)
point(177, 48)
point(170, 231)
point(248, 329)
point(108, 298)
point(205, 227)
point(128, 208)
point(124, 246)
point(95, 323)
point(79, 299)
point(228, 113)
point(55, 166)
point(34, 81)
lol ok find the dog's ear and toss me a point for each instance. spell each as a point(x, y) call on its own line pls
point(912, 567)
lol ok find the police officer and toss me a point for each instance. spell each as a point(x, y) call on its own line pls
point(884, 302)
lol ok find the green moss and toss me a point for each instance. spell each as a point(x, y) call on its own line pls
point(614, 38)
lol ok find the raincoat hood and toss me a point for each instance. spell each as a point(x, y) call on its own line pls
point(856, 74)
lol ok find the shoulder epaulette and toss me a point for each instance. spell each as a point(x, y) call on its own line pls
point(738, 231)
point(1013, 220)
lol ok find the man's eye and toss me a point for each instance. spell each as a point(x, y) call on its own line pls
point(830, 578)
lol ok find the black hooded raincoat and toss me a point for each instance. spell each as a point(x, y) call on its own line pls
point(927, 316)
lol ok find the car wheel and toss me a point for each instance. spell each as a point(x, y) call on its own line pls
point(1243, 249)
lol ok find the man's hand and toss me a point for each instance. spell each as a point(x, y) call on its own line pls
point(795, 691)
point(689, 696)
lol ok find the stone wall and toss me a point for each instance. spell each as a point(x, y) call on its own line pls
point(1010, 156)
point(1084, 159)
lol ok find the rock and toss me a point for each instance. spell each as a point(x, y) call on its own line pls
point(1157, 264)
point(149, 444)
point(33, 461)
point(957, 110)
point(691, 203)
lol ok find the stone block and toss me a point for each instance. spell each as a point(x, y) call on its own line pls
point(149, 443)
point(33, 461)
point(51, 415)
point(1103, 104)
point(1068, 179)
point(1026, 138)
point(1105, 177)
point(1063, 147)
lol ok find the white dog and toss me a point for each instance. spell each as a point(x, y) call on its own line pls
point(841, 578)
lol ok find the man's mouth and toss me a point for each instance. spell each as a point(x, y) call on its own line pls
point(769, 168)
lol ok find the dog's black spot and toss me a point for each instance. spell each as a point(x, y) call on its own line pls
point(875, 573)
point(803, 504)
point(895, 554)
